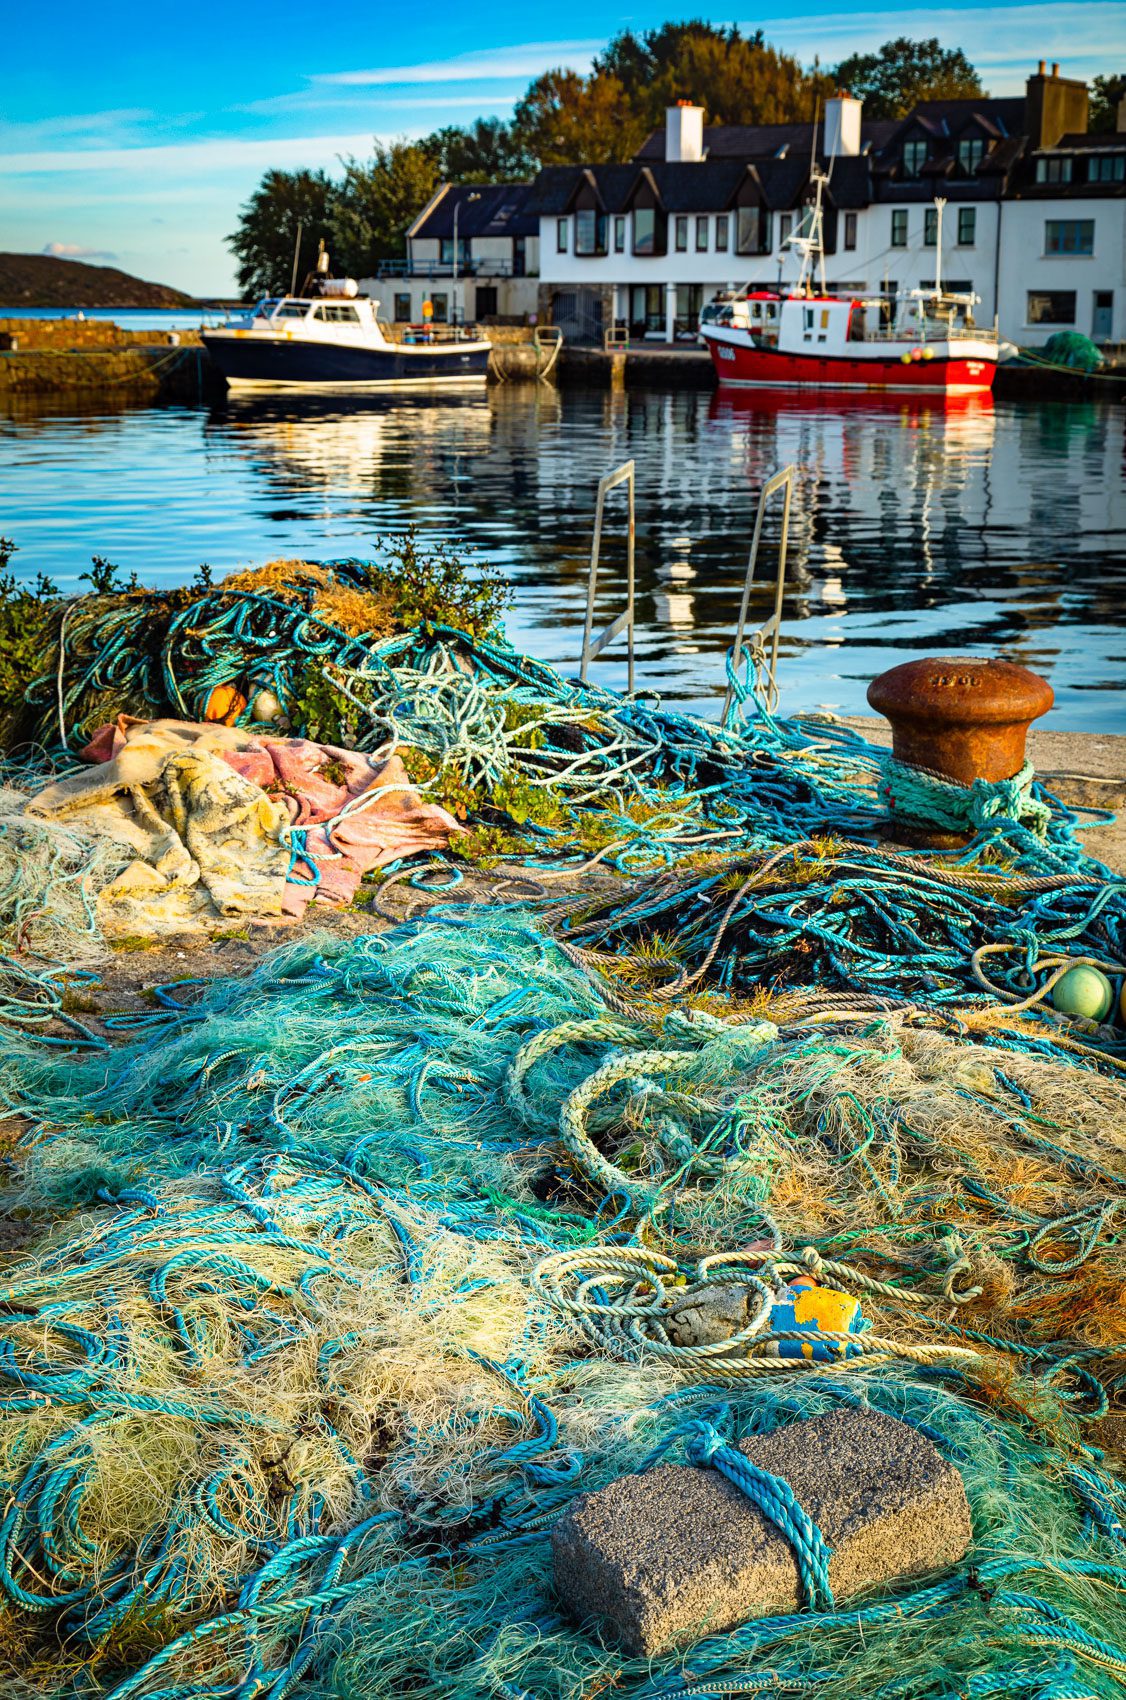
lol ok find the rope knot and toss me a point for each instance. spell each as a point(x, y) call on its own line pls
point(703, 1443)
point(812, 1259)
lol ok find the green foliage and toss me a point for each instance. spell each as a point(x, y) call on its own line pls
point(103, 576)
point(28, 616)
point(378, 200)
point(265, 241)
point(564, 118)
point(486, 151)
point(737, 78)
point(1106, 92)
point(903, 72)
point(436, 584)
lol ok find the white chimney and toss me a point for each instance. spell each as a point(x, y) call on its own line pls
point(842, 127)
point(684, 132)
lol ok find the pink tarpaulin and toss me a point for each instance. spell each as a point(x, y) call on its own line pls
point(355, 813)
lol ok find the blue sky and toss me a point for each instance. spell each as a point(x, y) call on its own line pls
point(135, 143)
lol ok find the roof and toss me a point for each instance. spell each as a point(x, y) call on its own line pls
point(1106, 141)
point(697, 187)
point(483, 209)
point(762, 141)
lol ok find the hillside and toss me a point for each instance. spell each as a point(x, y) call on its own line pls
point(42, 280)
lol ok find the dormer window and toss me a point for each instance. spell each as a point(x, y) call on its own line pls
point(590, 232)
point(971, 152)
point(1057, 170)
point(914, 157)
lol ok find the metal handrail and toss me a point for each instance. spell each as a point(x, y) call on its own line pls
point(772, 627)
point(593, 646)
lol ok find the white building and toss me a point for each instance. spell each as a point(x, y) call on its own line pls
point(472, 254)
point(1033, 221)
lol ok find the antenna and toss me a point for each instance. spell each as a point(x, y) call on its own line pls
point(296, 258)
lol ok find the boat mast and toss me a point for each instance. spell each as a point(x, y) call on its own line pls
point(939, 203)
point(811, 245)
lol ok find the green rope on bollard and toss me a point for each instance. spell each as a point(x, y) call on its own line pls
point(916, 793)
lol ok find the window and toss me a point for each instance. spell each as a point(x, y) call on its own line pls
point(914, 158)
point(403, 308)
point(337, 313)
point(486, 301)
point(441, 306)
point(446, 251)
point(785, 226)
point(930, 228)
point(644, 230)
point(967, 226)
point(680, 236)
point(721, 229)
point(1056, 170)
point(701, 235)
point(850, 230)
point(689, 306)
point(899, 227)
point(1051, 307)
point(1069, 236)
point(619, 235)
point(590, 232)
point(752, 231)
point(292, 310)
point(971, 152)
point(1106, 168)
point(561, 235)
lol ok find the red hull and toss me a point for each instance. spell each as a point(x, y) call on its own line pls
point(748, 364)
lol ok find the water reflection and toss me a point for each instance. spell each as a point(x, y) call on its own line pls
point(915, 526)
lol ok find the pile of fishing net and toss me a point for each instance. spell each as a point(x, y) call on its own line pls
point(380, 1256)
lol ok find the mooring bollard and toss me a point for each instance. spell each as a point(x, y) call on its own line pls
point(959, 727)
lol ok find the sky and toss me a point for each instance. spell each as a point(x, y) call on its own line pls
point(136, 144)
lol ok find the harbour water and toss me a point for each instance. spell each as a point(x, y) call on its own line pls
point(982, 527)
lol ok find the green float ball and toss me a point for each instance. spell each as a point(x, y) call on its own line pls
point(1083, 991)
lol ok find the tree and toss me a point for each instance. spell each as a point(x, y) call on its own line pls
point(488, 151)
point(1106, 92)
point(736, 78)
point(903, 72)
point(566, 119)
point(265, 240)
point(377, 201)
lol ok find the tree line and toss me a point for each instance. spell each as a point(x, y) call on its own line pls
point(565, 118)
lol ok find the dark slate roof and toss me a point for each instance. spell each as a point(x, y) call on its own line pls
point(763, 141)
point(1107, 141)
point(500, 209)
point(1004, 117)
point(697, 187)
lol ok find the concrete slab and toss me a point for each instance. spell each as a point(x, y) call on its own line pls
point(666, 1557)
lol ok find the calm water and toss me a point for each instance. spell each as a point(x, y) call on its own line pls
point(982, 528)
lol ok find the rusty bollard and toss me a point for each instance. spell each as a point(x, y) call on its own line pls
point(960, 718)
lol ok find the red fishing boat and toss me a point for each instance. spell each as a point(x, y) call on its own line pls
point(925, 341)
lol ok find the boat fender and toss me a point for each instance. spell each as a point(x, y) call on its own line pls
point(225, 703)
point(265, 705)
point(1083, 991)
point(803, 1307)
point(928, 353)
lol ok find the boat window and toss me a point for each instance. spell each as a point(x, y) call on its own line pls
point(265, 308)
point(292, 310)
point(337, 313)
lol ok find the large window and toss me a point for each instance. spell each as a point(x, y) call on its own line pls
point(1051, 307)
point(930, 227)
point(337, 313)
point(971, 152)
point(899, 227)
point(680, 235)
point(446, 251)
point(850, 230)
point(722, 226)
point(1106, 168)
point(590, 232)
point(702, 235)
point(785, 226)
point(914, 158)
point(689, 306)
point(644, 230)
point(967, 226)
point(1056, 170)
point(1069, 236)
point(441, 306)
point(619, 234)
point(752, 231)
point(561, 235)
point(403, 309)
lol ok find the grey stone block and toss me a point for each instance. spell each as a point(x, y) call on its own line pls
point(679, 1552)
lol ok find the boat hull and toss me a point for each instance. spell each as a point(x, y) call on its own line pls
point(751, 366)
point(253, 361)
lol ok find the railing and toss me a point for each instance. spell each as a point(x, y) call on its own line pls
point(430, 331)
point(430, 269)
point(593, 646)
point(772, 627)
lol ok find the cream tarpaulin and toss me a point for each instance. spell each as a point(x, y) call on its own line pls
point(225, 823)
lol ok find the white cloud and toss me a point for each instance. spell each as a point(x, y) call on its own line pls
point(74, 251)
point(526, 60)
point(220, 155)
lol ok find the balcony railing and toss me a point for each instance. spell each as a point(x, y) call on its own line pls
point(430, 269)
